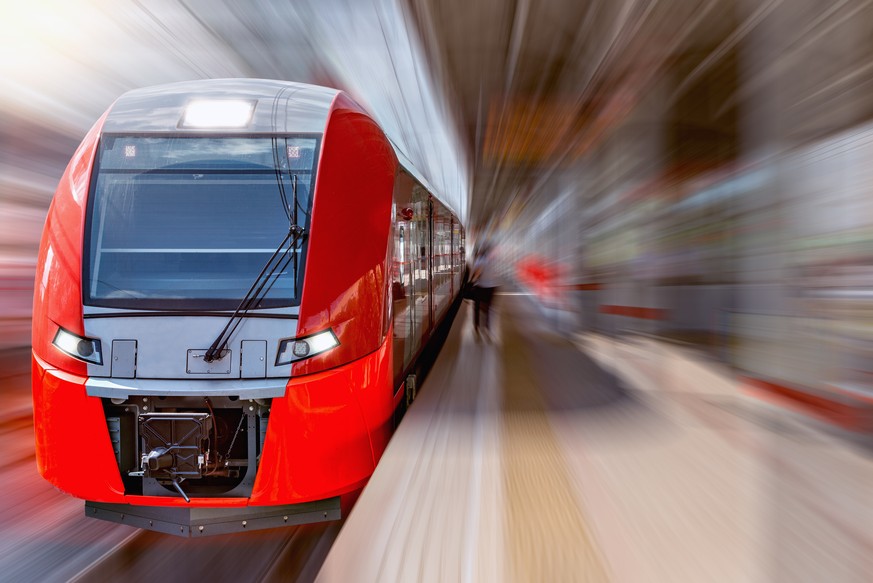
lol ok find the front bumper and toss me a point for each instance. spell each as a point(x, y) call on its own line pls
point(319, 442)
point(197, 522)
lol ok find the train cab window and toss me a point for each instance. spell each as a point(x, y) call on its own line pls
point(189, 222)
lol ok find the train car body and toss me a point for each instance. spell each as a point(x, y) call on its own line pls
point(235, 279)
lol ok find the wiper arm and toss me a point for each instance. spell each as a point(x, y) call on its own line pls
point(259, 289)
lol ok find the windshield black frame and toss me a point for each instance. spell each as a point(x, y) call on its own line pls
point(206, 304)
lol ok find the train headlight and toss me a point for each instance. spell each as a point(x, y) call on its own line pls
point(294, 349)
point(85, 349)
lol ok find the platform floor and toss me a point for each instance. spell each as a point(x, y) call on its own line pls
point(530, 456)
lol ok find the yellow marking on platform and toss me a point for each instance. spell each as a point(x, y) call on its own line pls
point(546, 538)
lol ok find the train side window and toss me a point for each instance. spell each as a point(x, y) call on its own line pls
point(442, 258)
point(457, 253)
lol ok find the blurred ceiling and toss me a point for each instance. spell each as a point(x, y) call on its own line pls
point(535, 86)
point(502, 105)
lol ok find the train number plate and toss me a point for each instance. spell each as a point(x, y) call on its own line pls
point(198, 365)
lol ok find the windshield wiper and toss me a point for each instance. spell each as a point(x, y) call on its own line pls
point(271, 271)
point(265, 280)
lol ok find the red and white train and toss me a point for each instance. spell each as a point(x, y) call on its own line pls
point(236, 282)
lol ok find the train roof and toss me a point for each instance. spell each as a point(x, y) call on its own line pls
point(278, 106)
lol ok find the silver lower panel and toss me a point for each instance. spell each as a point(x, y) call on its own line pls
point(242, 388)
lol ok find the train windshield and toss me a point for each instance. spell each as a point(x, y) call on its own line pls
point(187, 223)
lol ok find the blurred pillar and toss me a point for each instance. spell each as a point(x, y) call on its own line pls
point(644, 142)
point(629, 165)
point(761, 271)
point(804, 77)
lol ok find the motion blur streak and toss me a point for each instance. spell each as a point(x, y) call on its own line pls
point(682, 189)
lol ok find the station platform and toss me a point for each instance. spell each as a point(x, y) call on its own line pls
point(534, 456)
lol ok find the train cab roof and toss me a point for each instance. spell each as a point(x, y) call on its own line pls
point(243, 106)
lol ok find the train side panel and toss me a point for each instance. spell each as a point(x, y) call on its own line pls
point(318, 441)
point(57, 298)
point(351, 219)
point(346, 278)
point(61, 407)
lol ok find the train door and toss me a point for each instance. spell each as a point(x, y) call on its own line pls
point(441, 271)
point(402, 277)
point(411, 277)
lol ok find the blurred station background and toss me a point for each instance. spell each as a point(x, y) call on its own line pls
point(679, 194)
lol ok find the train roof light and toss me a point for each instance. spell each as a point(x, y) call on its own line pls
point(218, 114)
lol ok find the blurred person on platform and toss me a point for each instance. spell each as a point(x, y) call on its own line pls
point(486, 281)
